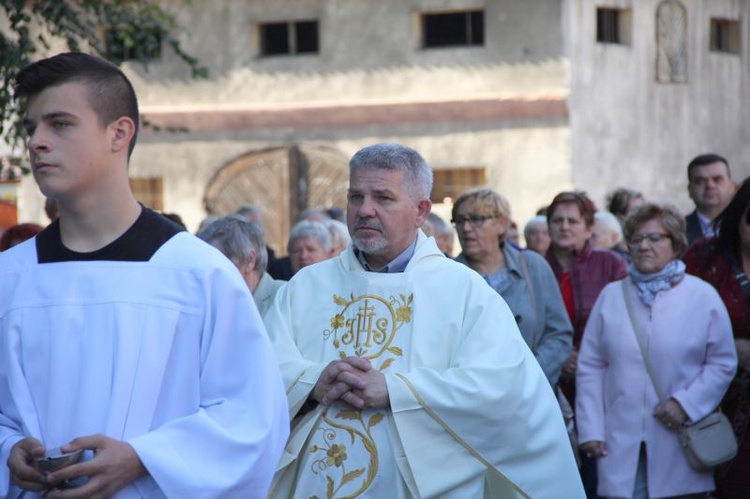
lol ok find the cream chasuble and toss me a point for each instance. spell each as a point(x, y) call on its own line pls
point(471, 413)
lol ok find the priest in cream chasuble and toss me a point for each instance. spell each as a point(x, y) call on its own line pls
point(470, 412)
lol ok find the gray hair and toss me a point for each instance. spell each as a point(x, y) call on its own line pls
point(339, 233)
point(316, 230)
point(397, 157)
point(440, 226)
point(251, 212)
point(238, 239)
point(203, 225)
point(539, 219)
point(313, 215)
point(610, 222)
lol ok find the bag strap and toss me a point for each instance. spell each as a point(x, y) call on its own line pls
point(532, 297)
point(638, 335)
point(739, 275)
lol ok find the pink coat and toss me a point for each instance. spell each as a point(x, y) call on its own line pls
point(689, 338)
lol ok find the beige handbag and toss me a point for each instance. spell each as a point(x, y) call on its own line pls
point(708, 442)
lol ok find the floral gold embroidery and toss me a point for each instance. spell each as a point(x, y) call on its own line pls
point(337, 321)
point(403, 314)
point(365, 326)
point(336, 455)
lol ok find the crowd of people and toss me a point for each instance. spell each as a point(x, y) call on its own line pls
point(369, 361)
point(566, 293)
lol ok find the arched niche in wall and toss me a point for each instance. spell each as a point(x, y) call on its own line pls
point(671, 42)
point(281, 181)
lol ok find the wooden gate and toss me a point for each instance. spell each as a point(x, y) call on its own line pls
point(282, 182)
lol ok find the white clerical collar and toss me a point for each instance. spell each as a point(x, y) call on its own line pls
point(396, 265)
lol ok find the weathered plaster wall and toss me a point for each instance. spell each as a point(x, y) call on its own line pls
point(629, 130)
point(369, 54)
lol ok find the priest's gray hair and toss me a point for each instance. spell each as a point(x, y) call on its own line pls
point(316, 230)
point(397, 157)
point(238, 239)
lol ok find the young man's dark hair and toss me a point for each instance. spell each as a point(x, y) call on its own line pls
point(706, 159)
point(109, 92)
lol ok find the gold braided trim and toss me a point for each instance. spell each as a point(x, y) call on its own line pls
point(296, 380)
point(457, 438)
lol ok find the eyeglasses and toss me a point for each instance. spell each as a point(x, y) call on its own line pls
point(654, 238)
point(474, 220)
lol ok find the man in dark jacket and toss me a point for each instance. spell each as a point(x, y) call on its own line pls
point(710, 187)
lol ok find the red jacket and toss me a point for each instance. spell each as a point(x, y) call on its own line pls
point(703, 259)
point(592, 269)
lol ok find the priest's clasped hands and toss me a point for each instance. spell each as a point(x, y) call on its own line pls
point(115, 465)
point(352, 381)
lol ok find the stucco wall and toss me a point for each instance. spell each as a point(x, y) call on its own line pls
point(369, 54)
point(628, 130)
point(527, 164)
point(368, 50)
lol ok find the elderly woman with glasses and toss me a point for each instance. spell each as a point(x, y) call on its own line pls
point(724, 262)
point(657, 353)
point(482, 218)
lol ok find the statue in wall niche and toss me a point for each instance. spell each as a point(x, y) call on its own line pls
point(671, 31)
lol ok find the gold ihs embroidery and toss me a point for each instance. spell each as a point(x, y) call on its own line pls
point(366, 326)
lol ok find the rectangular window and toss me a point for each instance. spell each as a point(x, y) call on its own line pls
point(288, 38)
point(613, 26)
point(725, 36)
point(450, 182)
point(453, 29)
point(149, 191)
point(126, 44)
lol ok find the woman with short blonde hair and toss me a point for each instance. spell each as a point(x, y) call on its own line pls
point(482, 218)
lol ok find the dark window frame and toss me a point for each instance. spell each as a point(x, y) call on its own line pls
point(470, 24)
point(725, 36)
point(613, 26)
point(302, 37)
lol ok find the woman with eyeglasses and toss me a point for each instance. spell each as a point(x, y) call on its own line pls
point(582, 271)
point(482, 218)
point(724, 262)
point(657, 353)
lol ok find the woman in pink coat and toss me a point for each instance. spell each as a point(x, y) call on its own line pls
point(688, 336)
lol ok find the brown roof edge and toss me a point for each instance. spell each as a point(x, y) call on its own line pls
point(352, 115)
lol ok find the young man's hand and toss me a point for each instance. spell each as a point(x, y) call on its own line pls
point(22, 470)
point(114, 466)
